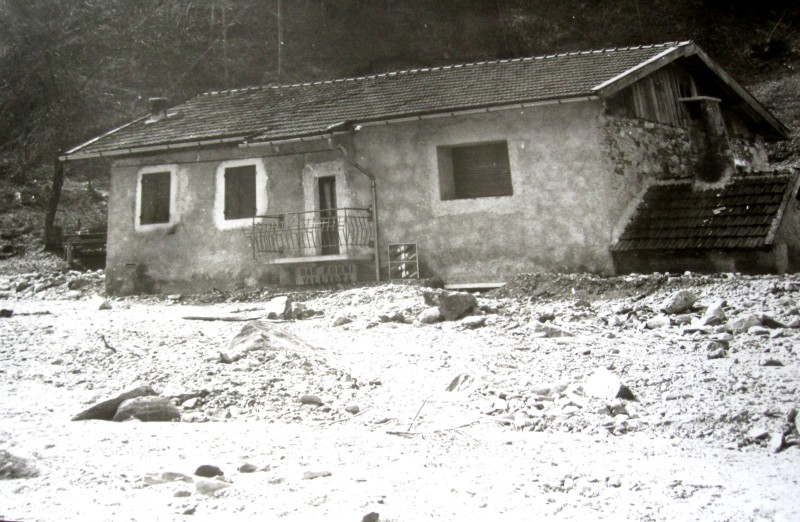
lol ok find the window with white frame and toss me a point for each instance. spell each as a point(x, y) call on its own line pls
point(241, 187)
point(155, 197)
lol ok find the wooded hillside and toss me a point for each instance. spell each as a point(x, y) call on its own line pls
point(71, 69)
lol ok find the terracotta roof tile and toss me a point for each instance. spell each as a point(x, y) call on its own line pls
point(674, 216)
point(281, 112)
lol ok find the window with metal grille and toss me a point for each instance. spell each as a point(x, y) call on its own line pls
point(240, 192)
point(474, 171)
point(154, 198)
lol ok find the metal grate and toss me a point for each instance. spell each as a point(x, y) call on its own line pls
point(313, 232)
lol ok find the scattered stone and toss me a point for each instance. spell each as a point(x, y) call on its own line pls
point(455, 305)
point(769, 361)
point(341, 320)
point(473, 321)
point(190, 403)
point(659, 321)
point(208, 471)
point(371, 517)
point(430, 315)
point(261, 336)
point(547, 316)
point(605, 385)
point(247, 468)
point(106, 410)
point(182, 493)
point(147, 409)
point(165, 477)
point(105, 305)
point(13, 467)
point(311, 475)
point(311, 400)
point(174, 297)
point(679, 302)
point(352, 409)
point(769, 322)
point(714, 315)
point(210, 487)
point(582, 303)
point(549, 330)
point(758, 432)
point(758, 330)
point(613, 482)
point(190, 510)
point(4, 312)
point(716, 349)
point(776, 442)
point(278, 308)
point(742, 324)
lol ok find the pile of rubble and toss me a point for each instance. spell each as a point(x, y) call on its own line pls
point(70, 284)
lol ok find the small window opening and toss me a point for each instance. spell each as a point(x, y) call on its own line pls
point(474, 171)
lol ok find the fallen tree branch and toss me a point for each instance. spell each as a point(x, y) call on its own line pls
point(103, 338)
point(417, 415)
point(221, 318)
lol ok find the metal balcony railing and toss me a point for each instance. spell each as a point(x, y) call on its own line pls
point(313, 233)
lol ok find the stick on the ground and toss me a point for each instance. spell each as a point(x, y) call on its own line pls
point(417, 415)
point(103, 338)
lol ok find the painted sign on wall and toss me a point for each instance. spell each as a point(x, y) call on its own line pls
point(325, 274)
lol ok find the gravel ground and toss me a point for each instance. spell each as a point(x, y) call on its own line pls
point(561, 386)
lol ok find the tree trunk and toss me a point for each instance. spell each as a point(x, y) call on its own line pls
point(52, 234)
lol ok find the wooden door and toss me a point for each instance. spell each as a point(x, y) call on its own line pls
point(329, 235)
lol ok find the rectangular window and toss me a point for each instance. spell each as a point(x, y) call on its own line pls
point(155, 198)
point(474, 171)
point(240, 192)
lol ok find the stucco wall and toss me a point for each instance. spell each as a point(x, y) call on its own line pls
point(556, 220)
point(195, 252)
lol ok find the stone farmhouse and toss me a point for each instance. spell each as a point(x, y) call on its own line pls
point(606, 161)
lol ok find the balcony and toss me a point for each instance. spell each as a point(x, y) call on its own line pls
point(338, 234)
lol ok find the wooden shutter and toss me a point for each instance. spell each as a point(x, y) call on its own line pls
point(155, 197)
point(240, 192)
point(481, 171)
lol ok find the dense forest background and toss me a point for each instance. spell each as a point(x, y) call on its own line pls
point(71, 69)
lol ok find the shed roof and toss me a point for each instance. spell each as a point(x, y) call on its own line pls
point(745, 213)
point(274, 113)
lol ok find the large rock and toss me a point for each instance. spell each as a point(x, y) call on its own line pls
point(605, 385)
point(452, 305)
point(430, 315)
point(679, 302)
point(107, 409)
point(278, 308)
point(261, 336)
point(714, 314)
point(148, 409)
point(548, 330)
point(742, 324)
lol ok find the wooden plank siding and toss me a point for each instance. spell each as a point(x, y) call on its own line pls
point(655, 98)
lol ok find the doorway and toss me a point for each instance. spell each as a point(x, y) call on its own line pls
point(329, 222)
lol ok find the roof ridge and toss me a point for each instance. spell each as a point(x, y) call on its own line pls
point(448, 67)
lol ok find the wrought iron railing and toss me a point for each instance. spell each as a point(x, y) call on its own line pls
point(297, 234)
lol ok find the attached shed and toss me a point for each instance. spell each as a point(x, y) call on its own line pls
point(750, 225)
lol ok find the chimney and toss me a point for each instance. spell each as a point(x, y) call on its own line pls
point(714, 164)
point(158, 109)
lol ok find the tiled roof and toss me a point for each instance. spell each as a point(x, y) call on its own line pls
point(281, 112)
point(743, 214)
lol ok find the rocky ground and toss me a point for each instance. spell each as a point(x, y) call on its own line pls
point(567, 396)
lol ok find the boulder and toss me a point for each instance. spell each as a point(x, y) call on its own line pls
point(679, 302)
point(659, 321)
point(210, 487)
point(455, 305)
point(261, 336)
point(605, 385)
point(148, 409)
point(473, 321)
point(742, 324)
point(714, 314)
point(278, 308)
point(311, 400)
point(341, 320)
point(430, 315)
point(208, 471)
point(107, 409)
